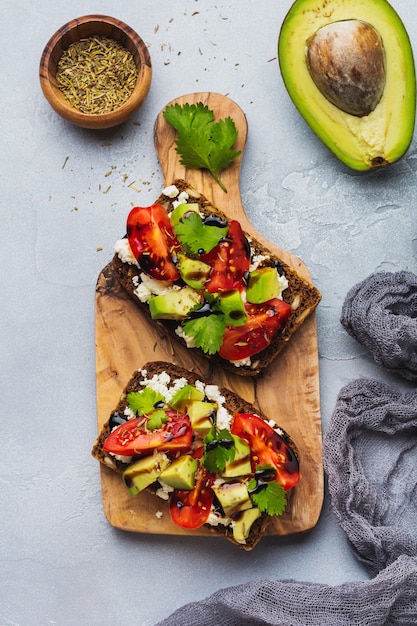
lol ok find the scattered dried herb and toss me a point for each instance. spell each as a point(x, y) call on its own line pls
point(96, 75)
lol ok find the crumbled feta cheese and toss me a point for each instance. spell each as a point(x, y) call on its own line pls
point(159, 514)
point(182, 199)
point(171, 192)
point(256, 260)
point(149, 287)
point(190, 341)
point(242, 362)
point(164, 491)
point(214, 519)
point(283, 284)
point(123, 251)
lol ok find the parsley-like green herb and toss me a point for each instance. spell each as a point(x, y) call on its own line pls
point(156, 419)
point(142, 402)
point(270, 497)
point(219, 448)
point(201, 142)
point(207, 332)
point(195, 236)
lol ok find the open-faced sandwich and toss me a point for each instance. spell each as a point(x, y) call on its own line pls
point(208, 453)
point(210, 284)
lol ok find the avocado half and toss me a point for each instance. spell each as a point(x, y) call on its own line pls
point(366, 141)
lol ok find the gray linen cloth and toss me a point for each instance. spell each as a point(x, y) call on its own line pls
point(381, 313)
point(370, 457)
point(370, 452)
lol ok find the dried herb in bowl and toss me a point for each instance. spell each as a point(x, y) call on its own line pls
point(96, 74)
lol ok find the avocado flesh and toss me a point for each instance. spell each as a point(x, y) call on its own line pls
point(241, 464)
point(233, 497)
point(362, 143)
point(174, 305)
point(144, 472)
point(193, 272)
point(263, 285)
point(200, 414)
point(185, 396)
point(232, 307)
point(181, 473)
point(244, 522)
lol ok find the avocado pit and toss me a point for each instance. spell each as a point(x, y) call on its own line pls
point(346, 60)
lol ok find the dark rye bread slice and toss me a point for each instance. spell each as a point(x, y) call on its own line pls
point(301, 295)
point(233, 403)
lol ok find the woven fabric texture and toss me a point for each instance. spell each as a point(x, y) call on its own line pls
point(370, 451)
point(381, 313)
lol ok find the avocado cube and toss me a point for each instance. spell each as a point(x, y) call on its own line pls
point(233, 497)
point(181, 210)
point(241, 464)
point(184, 397)
point(244, 522)
point(144, 472)
point(181, 473)
point(193, 272)
point(174, 305)
point(200, 414)
point(263, 285)
point(232, 307)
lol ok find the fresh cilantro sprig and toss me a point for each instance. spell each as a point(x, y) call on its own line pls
point(142, 402)
point(219, 449)
point(201, 142)
point(269, 496)
point(206, 331)
point(195, 236)
point(156, 419)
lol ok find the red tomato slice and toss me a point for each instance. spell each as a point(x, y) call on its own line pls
point(132, 437)
point(229, 260)
point(264, 322)
point(191, 509)
point(267, 448)
point(153, 241)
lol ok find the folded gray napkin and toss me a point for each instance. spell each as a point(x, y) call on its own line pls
point(381, 313)
point(370, 452)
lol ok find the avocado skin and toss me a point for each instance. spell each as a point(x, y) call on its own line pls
point(361, 143)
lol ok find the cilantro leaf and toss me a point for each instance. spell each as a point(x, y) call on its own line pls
point(141, 402)
point(219, 448)
point(207, 332)
point(156, 419)
point(201, 142)
point(194, 235)
point(269, 496)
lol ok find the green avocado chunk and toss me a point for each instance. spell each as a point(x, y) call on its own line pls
point(241, 464)
point(181, 473)
point(175, 304)
point(233, 497)
point(142, 473)
point(232, 307)
point(184, 397)
point(263, 285)
point(244, 522)
point(193, 272)
point(200, 414)
point(348, 67)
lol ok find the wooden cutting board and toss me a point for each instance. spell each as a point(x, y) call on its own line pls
point(126, 340)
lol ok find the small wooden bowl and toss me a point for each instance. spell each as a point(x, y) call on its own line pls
point(81, 28)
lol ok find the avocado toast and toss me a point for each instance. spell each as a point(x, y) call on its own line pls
point(209, 454)
point(212, 287)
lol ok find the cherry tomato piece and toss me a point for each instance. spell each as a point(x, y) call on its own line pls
point(229, 260)
point(191, 509)
point(153, 241)
point(267, 448)
point(133, 438)
point(265, 321)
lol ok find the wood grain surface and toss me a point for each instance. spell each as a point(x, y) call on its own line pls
point(125, 340)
